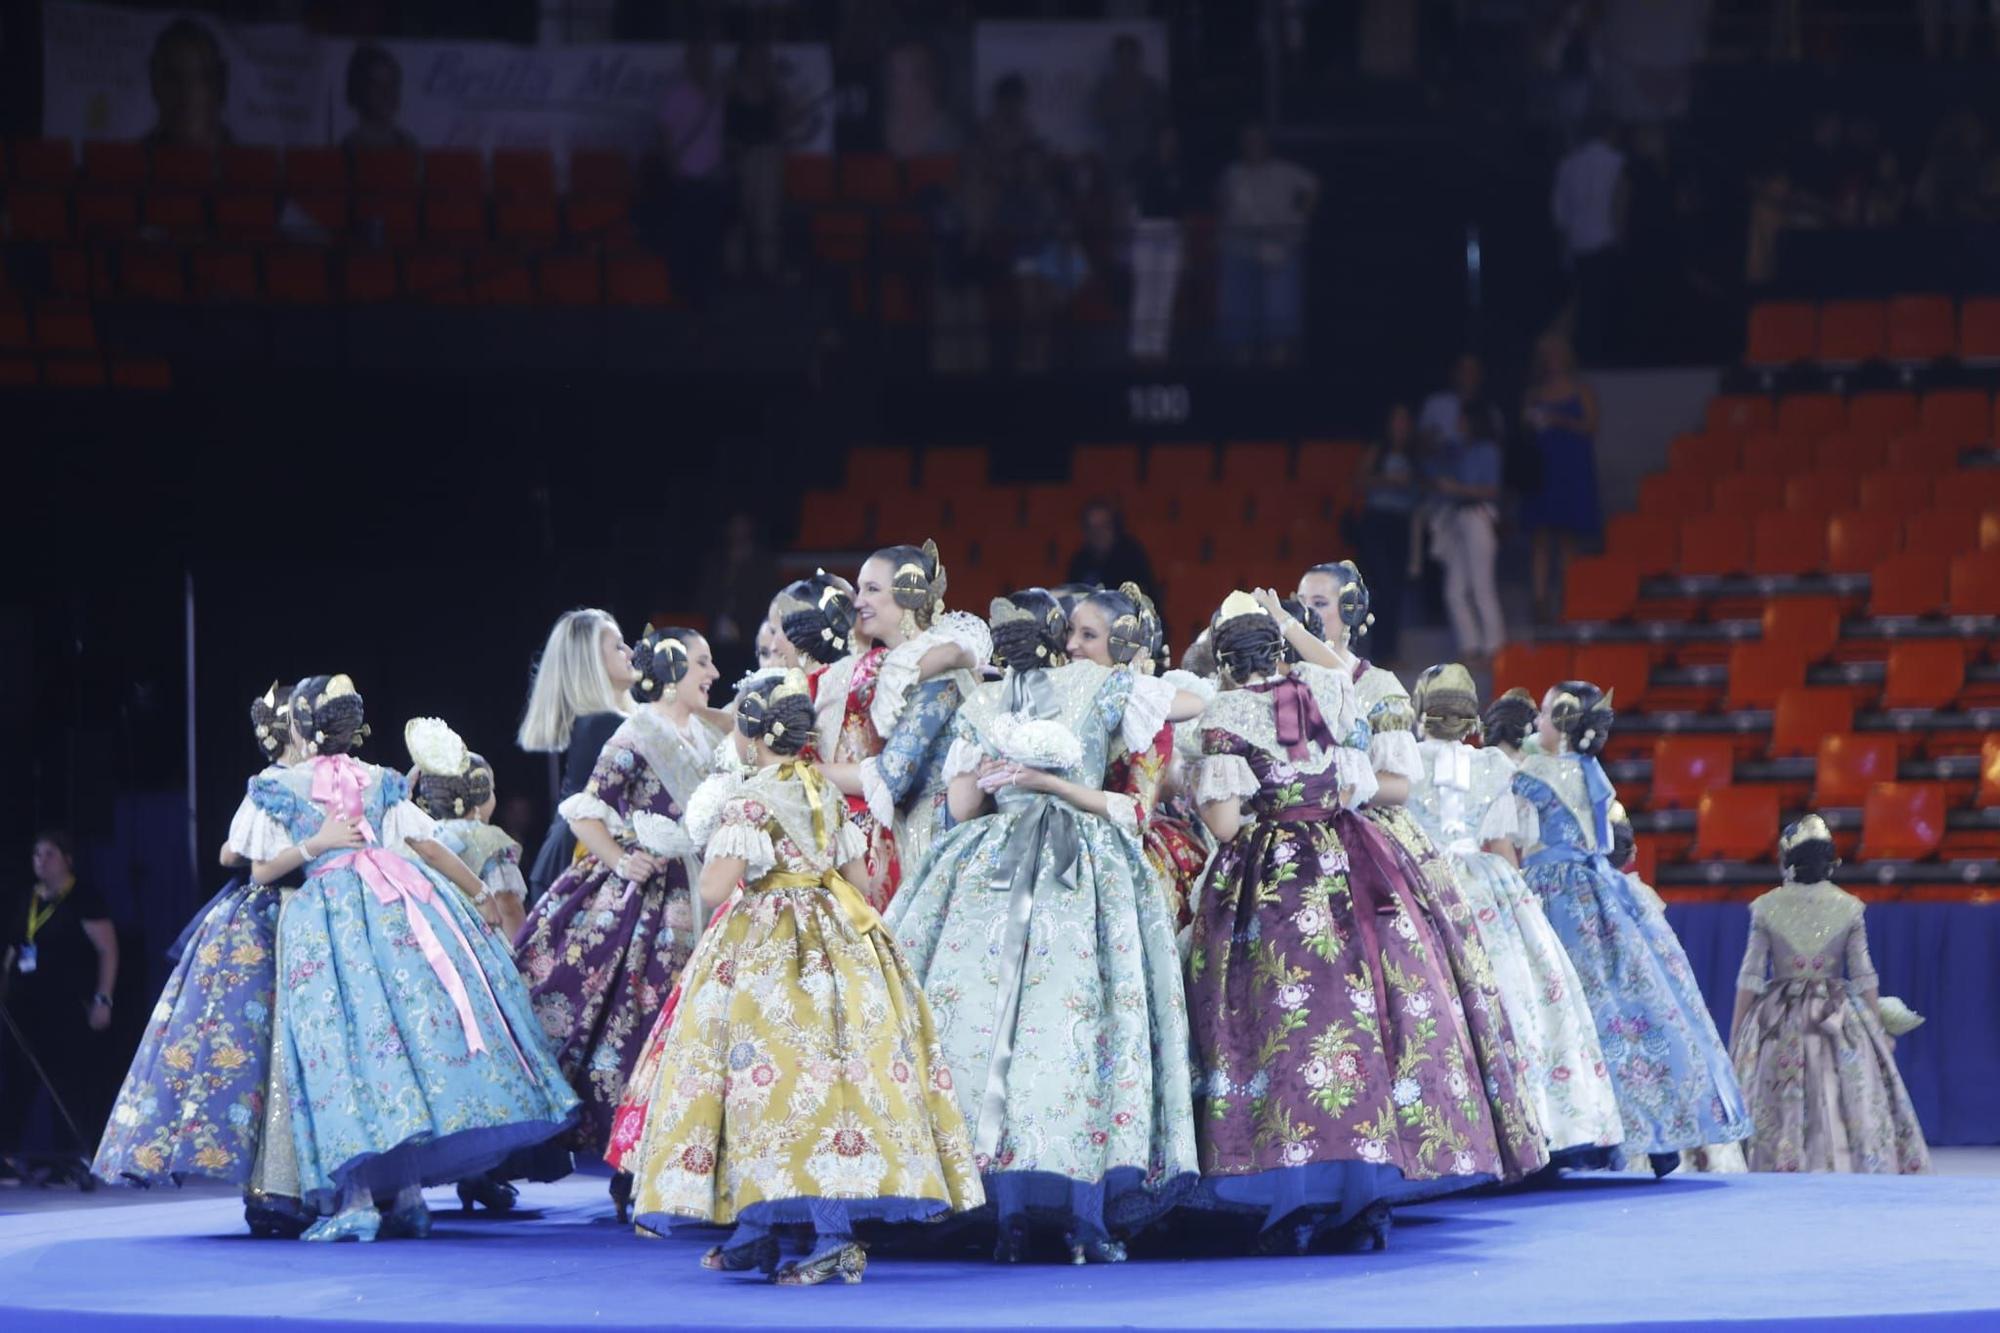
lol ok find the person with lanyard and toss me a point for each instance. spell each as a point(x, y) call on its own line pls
point(61, 965)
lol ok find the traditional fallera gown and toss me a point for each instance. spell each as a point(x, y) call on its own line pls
point(1815, 1063)
point(875, 710)
point(1176, 842)
point(193, 1103)
point(409, 1050)
point(1461, 797)
point(1676, 1089)
point(490, 854)
point(1335, 1065)
point(601, 954)
point(803, 1063)
point(1048, 955)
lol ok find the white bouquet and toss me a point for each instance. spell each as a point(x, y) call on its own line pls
point(661, 836)
point(1897, 1017)
point(1034, 742)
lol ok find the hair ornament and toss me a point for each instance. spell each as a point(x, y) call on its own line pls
point(337, 687)
point(1240, 603)
point(1809, 829)
point(436, 748)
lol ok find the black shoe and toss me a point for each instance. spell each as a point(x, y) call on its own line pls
point(1011, 1247)
point(496, 1196)
point(1664, 1164)
point(621, 1196)
point(1100, 1251)
point(271, 1218)
point(1365, 1231)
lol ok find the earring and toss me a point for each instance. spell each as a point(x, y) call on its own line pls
point(907, 624)
point(671, 693)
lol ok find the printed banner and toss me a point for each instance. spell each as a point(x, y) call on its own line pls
point(1062, 63)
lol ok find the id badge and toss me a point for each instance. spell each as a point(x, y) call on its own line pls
point(24, 959)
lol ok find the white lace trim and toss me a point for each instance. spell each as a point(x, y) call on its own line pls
point(964, 757)
point(1146, 710)
point(1123, 810)
point(830, 706)
point(751, 843)
point(1395, 753)
point(661, 836)
point(1200, 686)
point(1224, 777)
point(404, 821)
point(585, 806)
point(899, 672)
point(1355, 771)
point(875, 790)
point(255, 835)
point(1502, 823)
point(503, 880)
point(848, 842)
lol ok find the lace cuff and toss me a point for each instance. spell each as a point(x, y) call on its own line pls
point(900, 668)
point(748, 841)
point(503, 880)
point(1502, 822)
point(964, 757)
point(405, 821)
point(848, 842)
point(583, 805)
point(1122, 810)
point(1200, 686)
point(1146, 709)
point(1355, 770)
point(1396, 753)
point(661, 836)
point(1750, 982)
point(704, 808)
point(255, 835)
point(1224, 777)
point(875, 790)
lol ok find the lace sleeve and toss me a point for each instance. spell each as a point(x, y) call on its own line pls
point(1502, 822)
point(1146, 709)
point(704, 807)
point(848, 842)
point(503, 879)
point(1396, 753)
point(1860, 967)
point(586, 805)
point(741, 832)
point(1355, 771)
point(965, 756)
point(1756, 956)
point(404, 821)
point(900, 670)
point(1224, 777)
point(254, 834)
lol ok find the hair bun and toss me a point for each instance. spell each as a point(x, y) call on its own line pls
point(662, 661)
point(330, 714)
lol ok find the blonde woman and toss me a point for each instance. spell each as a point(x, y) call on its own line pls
point(582, 692)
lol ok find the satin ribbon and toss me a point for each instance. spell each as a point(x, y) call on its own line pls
point(337, 784)
point(1297, 715)
point(1598, 788)
point(803, 773)
point(1042, 824)
point(852, 905)
point(1451, 777)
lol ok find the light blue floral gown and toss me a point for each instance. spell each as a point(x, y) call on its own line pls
point(409, 1049)
point(1676, 1087)
point(1047, 952)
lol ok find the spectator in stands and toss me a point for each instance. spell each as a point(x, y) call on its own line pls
point(1560, 416)
point(1949, 188)
point(1886, 197)
point(692, 118)
point(1032, 224)
point(1465, 530)
point(1109, 556)
point(1007, 133)
point(1382, 531)
point(190, 79)
point(1160, 199)
point(375, 92)
point(916, 113)
point(1440, 418)
point(1265, 203)
point(959, 217)
point(758, 120)
point(735, 593)
point(1825, 175)
point(1129, 106)
point(1588, 205)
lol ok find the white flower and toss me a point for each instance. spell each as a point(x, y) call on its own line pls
point(1362, 1000)
point(1462, 1163)
point(1293, 996)
point(1259, 1084)
point(1405, 927)
point(1372, 1150)
point(1297, 1154)
point(659, 835)
point(1333, 861)
point(1418, 1004)
point(435, 747)
point(1406, 1091)
point(1035, 742)
point(1317, 1073)
point(1310, 919)
point(1457, 1083)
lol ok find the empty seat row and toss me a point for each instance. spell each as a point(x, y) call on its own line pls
point(1905, 330)
point(1900, 821)
point(510, 173)
point(1942, 559)
point(52, 215)
point(1962, 414)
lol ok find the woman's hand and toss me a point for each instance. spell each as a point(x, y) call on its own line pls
point(993, 774)
point(1271, 602)
point(1034, 779)
point(337, 834)
point(636, 867)
point(100, 1015)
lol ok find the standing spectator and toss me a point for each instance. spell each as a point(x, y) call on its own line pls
point(1032, 223)
point(1465, 531)
point(735, 585)
point(691, 129)
point(757, 119)
point(1265, 202)
point(959, 216)
point(1588, 205)
point(1007, 133)
point(1129, 106)
point(1886, 197)
point(375, 92)
point(1561, 417)
point(1382, 529)
point(1440, 418)
point(916, 107)
point(1109, 557)
point(1160, 199)
point(58, 970)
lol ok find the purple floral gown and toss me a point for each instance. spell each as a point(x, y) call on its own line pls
point(1334, 1067)
point(600, 954)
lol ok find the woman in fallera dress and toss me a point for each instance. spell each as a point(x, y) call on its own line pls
point(1816, 1059)
point(1335, 1072)
point(408, 1044)
point(1047, 949)
point(885, 709)
point(1462, 797)
point(1676, 1089)
point(605, 945)
point(803, 1082)
point(454, 786)
point(193, 1105)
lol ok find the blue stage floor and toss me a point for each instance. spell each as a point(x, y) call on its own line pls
point(1597, 1252)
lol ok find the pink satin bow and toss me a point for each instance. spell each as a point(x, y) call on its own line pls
point(338, 781)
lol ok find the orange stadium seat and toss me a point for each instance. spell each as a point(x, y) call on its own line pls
point(523, 173)
point(114, 162)
point(1256, 463)
point(1184, 467)
point(1849, 764)
point(1788, 542)
point(570, 280)
point(1773, 454)
point(1900, 493)
point(532, 220)
point(38, 214)
point(435, 279)
point(297, 276)
point(386, 170)
point(939, 171)
point(1685, 768)
point(1743, 495)
point(1737, 413)
point(1781, 332)
point(637, 280)
point(180, 214)
point(1600, 588)
point(809, 178)
point(1806, 715)
point(1706, 453)
point(1962, 415)
point(1626, 668)
point(225, 275)
point(1941, 532)
point(1673, 495)
point(500, 278)
point(1922, 328)
point(152, 273)
point(961, 473)
point(1976, 489)
point(1531, 666)
point(1822, 494)
point(1979, 330)
point(1988, 795)
point(1923, 454)
point(1850, 453)
point(829, 520)
point(457, 170)
point(1884, 412)
point(1759, 672)
point(1851, 332)
point(1924, 673)
point(600, 171)
point(102, 213)
point(369, 278)
point(1737, 824)
point(1860, 539)
point(1811, 414)
point(873, 468)
point(1908, 585)
point(1902, 821)
point(1809, 624)
point(1109, 468)
point(1974, 586)
point(1714, 544)
point(42, 161)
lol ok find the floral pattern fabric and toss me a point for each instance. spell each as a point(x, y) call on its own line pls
point(803, 1063)
point(1676, 1088)
point(1814, 1060)
point(1176, 843)
point(385, 1084)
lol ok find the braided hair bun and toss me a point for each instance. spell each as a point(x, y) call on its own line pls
point(1029, 630)
point(1199, 657)
point(1806, 851)
point(271, 722)
point(1305, 615)
point(1583, 714)
point(454, 796)
point(775, 707)
point(1509, 717)
point(661, 657)
point(1247, 641)
point(328, 713)
point(916, 579)
point(1447, 702)
point(1135, 637)
point(817, 617)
